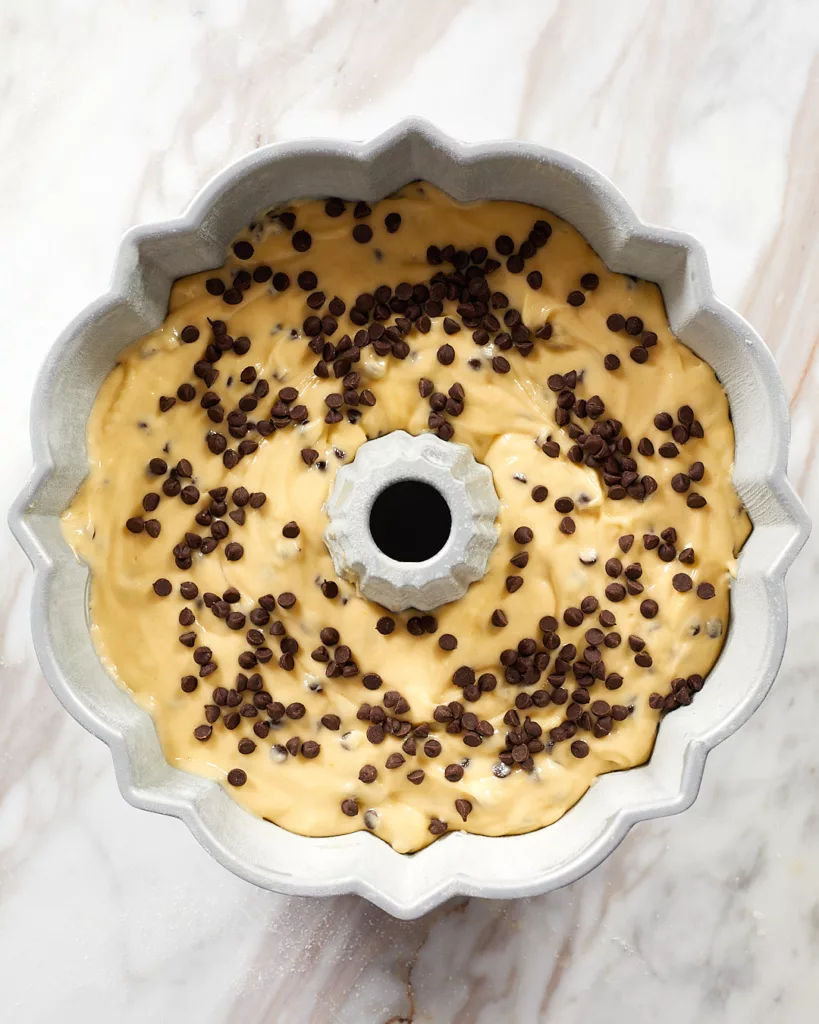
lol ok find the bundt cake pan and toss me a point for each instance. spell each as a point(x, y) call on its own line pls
point(150, 259)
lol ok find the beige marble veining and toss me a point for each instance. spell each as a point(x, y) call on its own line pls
point(706, 115)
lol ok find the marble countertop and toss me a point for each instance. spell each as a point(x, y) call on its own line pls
point(706, 115)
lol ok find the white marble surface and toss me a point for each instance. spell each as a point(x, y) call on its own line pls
point(706, 114)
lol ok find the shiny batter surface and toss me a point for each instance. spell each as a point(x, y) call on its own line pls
point(636, 621)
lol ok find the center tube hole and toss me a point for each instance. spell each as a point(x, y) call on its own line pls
point(410, 521)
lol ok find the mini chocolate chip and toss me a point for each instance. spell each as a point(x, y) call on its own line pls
point(464, 808)
point(649, 608)
point(301, 241)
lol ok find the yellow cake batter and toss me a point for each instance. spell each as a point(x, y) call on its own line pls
point(299, 771)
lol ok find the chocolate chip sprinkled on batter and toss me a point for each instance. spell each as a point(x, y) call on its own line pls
point(705, 591)
point(447, 642)
point(567, 525)
point(301, 241)
point(463, 807)
point(234, 551)
point(334, 207)
point(696, 501)
point(375, 734)
point(362, 233)
point(681, 582)
point(446, 355)
point(162, 587)
point(237, 777)
point(291, 530)
point(648, 609)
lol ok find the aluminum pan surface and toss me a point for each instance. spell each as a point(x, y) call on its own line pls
point(150, 259)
